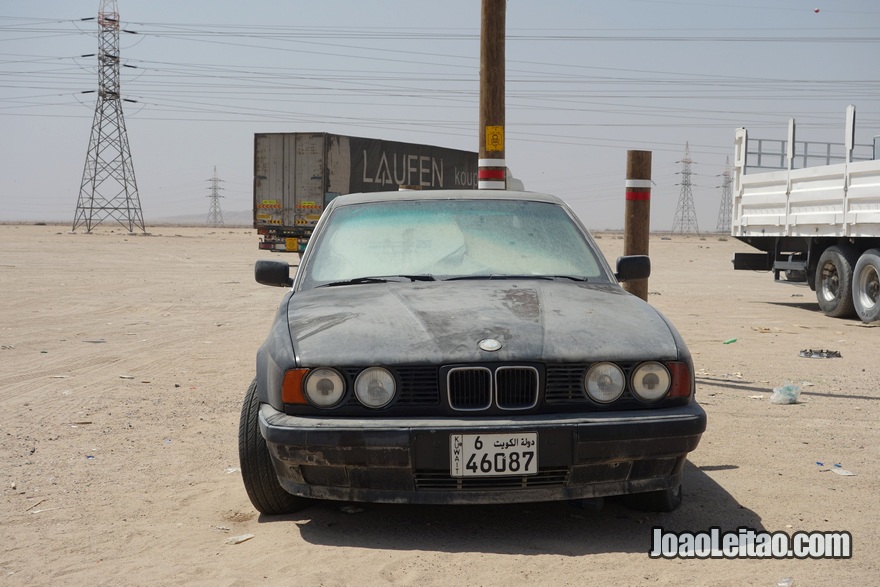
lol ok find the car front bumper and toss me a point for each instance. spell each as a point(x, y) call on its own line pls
point(408, 460)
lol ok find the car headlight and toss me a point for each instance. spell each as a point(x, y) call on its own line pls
point(324, 387)
point(375, 387)
point(604, 382)
point(651, 381)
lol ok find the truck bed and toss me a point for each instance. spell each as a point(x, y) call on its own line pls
point(840, 200)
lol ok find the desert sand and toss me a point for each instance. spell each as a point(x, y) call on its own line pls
point(124, 360)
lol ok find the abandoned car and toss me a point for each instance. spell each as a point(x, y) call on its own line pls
point(461, 347)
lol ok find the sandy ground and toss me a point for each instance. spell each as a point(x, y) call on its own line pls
point(125, 359)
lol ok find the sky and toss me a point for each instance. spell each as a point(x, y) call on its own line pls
point(586, 81)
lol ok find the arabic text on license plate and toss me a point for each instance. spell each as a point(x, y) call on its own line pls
point(486, 455)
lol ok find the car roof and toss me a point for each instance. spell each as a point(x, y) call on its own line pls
point(423, 195)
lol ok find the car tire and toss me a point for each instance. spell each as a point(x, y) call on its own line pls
point(834, 277)
point(866, 286)
point(664, 500)
point(260, 481)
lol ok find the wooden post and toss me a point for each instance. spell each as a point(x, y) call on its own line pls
point(637, 227)
point(492, 173)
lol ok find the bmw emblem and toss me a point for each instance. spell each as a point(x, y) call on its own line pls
point(489, 344)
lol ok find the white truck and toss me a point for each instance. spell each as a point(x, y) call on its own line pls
point(813, 209)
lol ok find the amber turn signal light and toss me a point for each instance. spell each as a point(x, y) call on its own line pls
point(291, 387)
point(681, 380)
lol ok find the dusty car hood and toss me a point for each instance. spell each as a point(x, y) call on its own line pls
point(442, 322)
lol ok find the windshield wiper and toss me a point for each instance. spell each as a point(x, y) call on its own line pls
point(496, 276)
point(379, 279)
point(419, 277)
point(504, 276)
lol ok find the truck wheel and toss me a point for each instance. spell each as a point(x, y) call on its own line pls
point(866, 286)
point(834, 281)
point(664, 500)
point(260, 482)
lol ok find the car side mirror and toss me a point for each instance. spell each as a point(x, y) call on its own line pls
point(271, 272)
point(633, 267)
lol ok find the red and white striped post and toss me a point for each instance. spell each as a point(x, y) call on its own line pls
point(492, 174)
point(637, 226)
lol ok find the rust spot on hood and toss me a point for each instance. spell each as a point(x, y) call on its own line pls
point(523, 303)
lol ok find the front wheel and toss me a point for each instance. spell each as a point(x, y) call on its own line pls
point(664, 500)
point(260, 481)
point(834, 281)
point(866, 286)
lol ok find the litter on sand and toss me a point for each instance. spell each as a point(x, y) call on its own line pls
point(819, 354)
point(239, 539)
point(837, 468)
point(787, 394)
point(843, 472)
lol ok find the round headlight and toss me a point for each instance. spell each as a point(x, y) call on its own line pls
point(324, 387)
point(604, 382)
point(651, 381)
point(375, 387)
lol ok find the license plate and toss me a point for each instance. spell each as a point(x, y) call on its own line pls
point(493, 455)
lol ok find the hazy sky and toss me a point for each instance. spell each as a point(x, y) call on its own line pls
point(586, 81)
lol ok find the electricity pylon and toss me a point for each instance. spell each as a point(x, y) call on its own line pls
point(685, 220)
point(215, 215)
point(724, 211)
point(108, 189)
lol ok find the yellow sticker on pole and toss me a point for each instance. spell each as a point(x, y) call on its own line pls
point(494, 138)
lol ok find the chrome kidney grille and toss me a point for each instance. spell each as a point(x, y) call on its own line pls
point(472, 389)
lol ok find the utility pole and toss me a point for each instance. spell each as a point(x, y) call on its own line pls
point(725, 210)
point(492, 174)
point(215, 215)
point(685, 220)
point(108, 189)
point(637, 224)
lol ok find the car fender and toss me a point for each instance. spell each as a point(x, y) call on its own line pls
point(274, 357)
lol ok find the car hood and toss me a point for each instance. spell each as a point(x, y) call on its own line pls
point(443, 322)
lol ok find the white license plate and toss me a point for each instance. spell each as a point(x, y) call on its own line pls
point(493, 455)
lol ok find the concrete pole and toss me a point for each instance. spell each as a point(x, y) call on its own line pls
point(492, 173)
point(637, 226)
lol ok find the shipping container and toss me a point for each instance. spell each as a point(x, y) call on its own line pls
point(297, 174)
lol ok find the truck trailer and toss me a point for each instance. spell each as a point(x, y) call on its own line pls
point(297, 174)
point(813, 209)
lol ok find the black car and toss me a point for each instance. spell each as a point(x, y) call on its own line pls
point(460, 347)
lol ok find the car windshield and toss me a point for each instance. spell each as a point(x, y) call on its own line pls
point(427, 240)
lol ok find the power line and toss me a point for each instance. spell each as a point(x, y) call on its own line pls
point(725, 209)
point(215, 214)
point(685, 220)
point(108, 189)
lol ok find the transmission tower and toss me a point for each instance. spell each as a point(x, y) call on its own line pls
point(724, 211)
point(215, 215)
point(108, 189)
point(685, 220)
